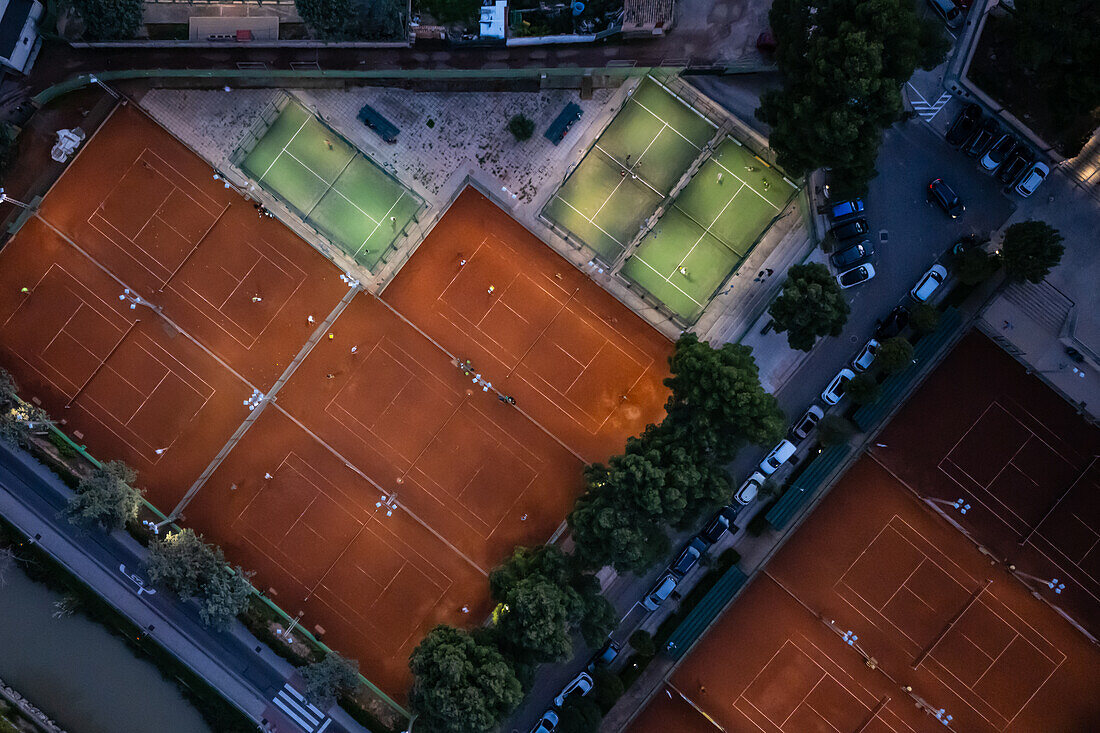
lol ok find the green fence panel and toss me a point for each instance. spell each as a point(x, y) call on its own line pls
point(700, 617)
point(806, 485)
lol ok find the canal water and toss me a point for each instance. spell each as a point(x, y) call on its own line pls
point(80, 674)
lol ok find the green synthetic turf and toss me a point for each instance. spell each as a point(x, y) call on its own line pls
point(665, 106)
point(336, 189)
point(677, 241)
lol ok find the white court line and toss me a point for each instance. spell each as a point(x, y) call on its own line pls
point(647, 109)
point(574, 208)
point(331, 187)
point(288, 142)
point(631, 167)
point(377, 224)
point(693, 300)
point(727, 170)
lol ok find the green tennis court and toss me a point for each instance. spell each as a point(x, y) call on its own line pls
point(631, 168)
point(331, 185)
point(709, 230)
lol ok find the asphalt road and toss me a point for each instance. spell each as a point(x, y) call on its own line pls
point(37, 491)
point(918, 235)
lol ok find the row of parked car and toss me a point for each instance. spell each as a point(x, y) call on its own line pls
point(852, 249)
point(997, 151)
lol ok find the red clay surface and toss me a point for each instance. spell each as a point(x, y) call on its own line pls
point(1020, 456)
point(922, 601)
point(472, 477)
point(576, 359)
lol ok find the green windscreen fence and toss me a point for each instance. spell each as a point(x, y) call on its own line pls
point(712, 604)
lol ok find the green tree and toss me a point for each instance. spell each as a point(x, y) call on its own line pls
point(863, 389)
point(109, 20)
point(106, 497)
point(924, 318)
point(834, 430)
point(460, 685)
point(452, 11)
point(521, 127)
point(1031, 249)
point(975, 266)
point(717, 402)
point(608, 530)
point(893, 355)
point(191, 568)
point(608, 688)
point(843, 64)
point(329, 19)
point(9, 390)
point(580, 715)
point(641, 641)
point(330, 678)
point(811, 305)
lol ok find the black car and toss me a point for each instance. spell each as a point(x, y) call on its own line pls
point(893, 324)
point(688, 558)
point(715, 528)
point(849, 230)
point(853, 254)
point(966, 243)
point(980, 141)
point(964, 125)
point(1014, 167)
point(942, 194)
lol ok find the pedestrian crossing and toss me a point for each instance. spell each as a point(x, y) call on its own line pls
point(300, 710)
point(927, 110)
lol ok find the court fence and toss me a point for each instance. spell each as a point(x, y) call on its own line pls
point(313, 641)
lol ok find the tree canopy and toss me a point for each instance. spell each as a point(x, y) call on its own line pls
point(717, 402)
point(461, 685)
point(1031, 249)
point(608, 530)
point(843, 65)
point(811, 305)
point(521, 127)
point(451, 11)
point(893, 355)
point(193, 569)
point(109, 20)
point(106, 497)
point(337, 20)
point(329, 678)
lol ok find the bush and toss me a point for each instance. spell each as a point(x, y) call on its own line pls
point(728, 558)
point(1031, 249)
point(976, 266)
point(580, 715)
point(759, 522)
point(924, 318)
point(522, 127)
point(642, 642)
point(894, 354)
point(108, 20)
point(609, 688)
point(863, 389)
point(834, 430)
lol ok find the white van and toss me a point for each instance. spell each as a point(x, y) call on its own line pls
point(780, 454)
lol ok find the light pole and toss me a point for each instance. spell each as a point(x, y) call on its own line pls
point(96, 80)
point(8, 199)
point(961, 504)
point(284, 634)
point(154, 527)
point(938, 713)
point(1053, 583)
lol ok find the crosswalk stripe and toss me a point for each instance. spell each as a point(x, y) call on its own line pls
point(303, 700)
point(294, 716)
point(301, 710)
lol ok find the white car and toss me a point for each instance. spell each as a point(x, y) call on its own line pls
point(835, 390)
point(856, 276)
point(547, 723)
point(660, 592)
point(580, 685)
point(866, 357)
point(808, 422)
point(780, 454)
point(927, 285)
point(750, 488)
point(1031, 180)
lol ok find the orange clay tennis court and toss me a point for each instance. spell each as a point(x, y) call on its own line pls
point(223, 301)
point(931, 610)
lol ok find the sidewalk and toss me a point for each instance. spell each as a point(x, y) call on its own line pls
point(239, 667)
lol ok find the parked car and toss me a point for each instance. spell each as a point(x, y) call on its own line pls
point(715, 528)
point(866, 356)
point(998, 153)
point(893, 324)
point(806, 423)
point(845, 210)
point(1015, 167)
point(748, 490)
point(850, 229)
point(665, 585)
point(547, 723)
point(927, 285)
point(852, 254)
point(580, 686)
point(856, 276)
point(940, 193)
point(835, 391)
point(605, 656)
point(951, 13)
point(964, 125)
point(780, 454)
point(982, 138)
point(688, 557)
point(1030, 180)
